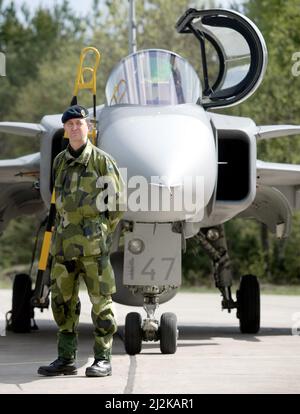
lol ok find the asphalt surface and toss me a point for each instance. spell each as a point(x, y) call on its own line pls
point(212, 356)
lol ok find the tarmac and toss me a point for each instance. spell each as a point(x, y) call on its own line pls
point(212, 356)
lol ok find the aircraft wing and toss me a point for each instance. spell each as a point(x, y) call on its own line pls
point(22, 128)
point(22, 169)
point(276, 131)
point(19, 188)
point(277, 196)
point(276, 174)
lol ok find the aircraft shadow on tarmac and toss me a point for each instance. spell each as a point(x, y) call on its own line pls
point(22, 354)
point(201, 334)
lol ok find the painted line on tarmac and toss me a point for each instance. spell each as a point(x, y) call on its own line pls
point(132, 368)
point(131, 375)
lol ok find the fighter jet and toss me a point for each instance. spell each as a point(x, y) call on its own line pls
point(187, 170)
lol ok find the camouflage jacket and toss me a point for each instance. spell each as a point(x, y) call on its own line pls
point(80, 229)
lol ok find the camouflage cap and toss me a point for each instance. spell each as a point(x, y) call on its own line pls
point(74, 111)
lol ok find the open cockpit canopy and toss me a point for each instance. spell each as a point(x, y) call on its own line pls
point(233, 54)
point(153, 77)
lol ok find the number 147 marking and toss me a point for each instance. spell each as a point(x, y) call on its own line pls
point(151, 272)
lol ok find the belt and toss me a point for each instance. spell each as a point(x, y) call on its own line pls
point(67, 218)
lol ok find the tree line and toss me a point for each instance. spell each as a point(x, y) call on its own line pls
point(42, 51)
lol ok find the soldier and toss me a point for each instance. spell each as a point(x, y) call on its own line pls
point(81, 245)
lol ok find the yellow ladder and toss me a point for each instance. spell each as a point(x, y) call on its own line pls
point(90, 85)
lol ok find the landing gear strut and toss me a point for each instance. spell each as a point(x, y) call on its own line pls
point(213, 241)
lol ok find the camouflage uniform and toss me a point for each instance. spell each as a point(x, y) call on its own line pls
point(81, 243)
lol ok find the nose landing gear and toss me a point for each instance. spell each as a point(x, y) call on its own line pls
point(137, 331)
point(168, 333)
point(133, 333)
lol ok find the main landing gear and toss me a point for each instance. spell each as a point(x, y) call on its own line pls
point(248, 295)
point(20, 318)
point(149, 329)
point(248, 304)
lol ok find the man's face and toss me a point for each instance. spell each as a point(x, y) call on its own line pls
point(77, 130)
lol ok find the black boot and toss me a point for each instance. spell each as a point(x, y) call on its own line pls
point(100, 368)
point(60, 366)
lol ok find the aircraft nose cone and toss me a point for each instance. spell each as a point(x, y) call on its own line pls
point(169, 155)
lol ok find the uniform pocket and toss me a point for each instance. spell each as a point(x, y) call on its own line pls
point(91, 227)
point(106, 275)
point(92, 233)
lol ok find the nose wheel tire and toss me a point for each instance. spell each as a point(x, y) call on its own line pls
point(168, 333)
point(248, 304)
point(133, 333)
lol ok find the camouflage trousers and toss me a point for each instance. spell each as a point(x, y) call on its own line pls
point(65, 303)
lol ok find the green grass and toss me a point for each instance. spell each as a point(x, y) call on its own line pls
point(265, 289)
point(5, 284)
point(7, 276)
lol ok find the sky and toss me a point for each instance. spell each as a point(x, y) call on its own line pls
point(78, 6)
